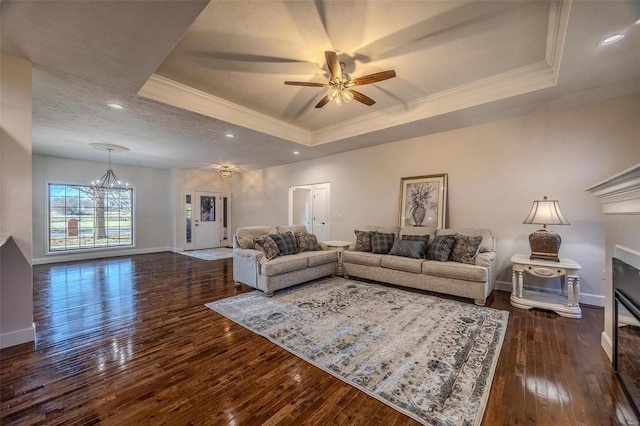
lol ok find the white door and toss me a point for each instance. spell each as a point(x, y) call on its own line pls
point(320, 212)
point(206, 229)
point(301, 206)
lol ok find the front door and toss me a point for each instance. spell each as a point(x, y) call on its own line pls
point(206, 230)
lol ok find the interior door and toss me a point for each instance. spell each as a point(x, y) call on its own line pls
point(320, 211)
point(206, 229)
point(301, 206)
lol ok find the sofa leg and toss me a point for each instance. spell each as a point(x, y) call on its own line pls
point(479, 302)
point(236, 284)
point(345, 275)
point(268, 293)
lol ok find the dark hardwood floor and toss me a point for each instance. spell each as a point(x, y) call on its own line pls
point(129, 341)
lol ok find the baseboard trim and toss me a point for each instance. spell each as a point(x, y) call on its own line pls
point(97, 255)
point(606, 344)
point(18, 337)
point(585, 298)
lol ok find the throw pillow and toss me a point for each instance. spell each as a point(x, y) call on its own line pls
point(408, 248)
point(268, 246)
point(307, 242)
point(465, 249)
point(363, 240)
point(286, 243)
point(381, 243)
point(440, 248)
point(424, 238)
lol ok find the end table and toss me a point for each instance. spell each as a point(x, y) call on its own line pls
point(338, 246)
point(567, 269)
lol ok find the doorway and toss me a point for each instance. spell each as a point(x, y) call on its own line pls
point(309, 206)
point(206, 219)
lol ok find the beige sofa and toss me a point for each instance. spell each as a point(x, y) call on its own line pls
point(251, 267)
point(473, 281)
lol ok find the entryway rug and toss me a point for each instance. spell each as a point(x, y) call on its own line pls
point(210, 254)
point(432, 359)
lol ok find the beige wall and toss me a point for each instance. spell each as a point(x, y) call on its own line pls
point(154, 211)
point(16, 282)
point(495, 172)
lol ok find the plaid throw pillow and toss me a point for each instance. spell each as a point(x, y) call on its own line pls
point(381, 243)
point(424, 238)
point(363, 240)
point(407, 248)
point(440, 248)
point(465, 249)
point(286, 243)
point(307, 242)
point(268, 246)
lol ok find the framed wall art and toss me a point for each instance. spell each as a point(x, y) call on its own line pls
point(423, 201)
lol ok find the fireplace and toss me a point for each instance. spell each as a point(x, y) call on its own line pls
point(626, 350)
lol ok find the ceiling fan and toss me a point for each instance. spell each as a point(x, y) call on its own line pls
point(340, 85)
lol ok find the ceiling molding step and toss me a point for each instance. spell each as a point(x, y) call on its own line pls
point(172, 93)
point(619, 194)
point(556, 33)
point(522, 80)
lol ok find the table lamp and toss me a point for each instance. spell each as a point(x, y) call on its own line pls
point(544, 243)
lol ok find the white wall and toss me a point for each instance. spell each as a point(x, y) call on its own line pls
point(495, 172)
point(153, 214)
point(16, 278)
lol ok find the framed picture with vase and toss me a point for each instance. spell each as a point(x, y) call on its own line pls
point(423, 201)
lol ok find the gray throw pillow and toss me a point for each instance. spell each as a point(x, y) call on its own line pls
point(286, 243)
point(440, 248)
point(465, 249)
point(424, 238)
point(363, 240)
point(381, 243)
point(268, 246)
point(307, 242)
point(408, 248)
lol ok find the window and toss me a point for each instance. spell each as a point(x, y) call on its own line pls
point(81, 217)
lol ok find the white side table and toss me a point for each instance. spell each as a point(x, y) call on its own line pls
point(338, 246)
point(567, 269)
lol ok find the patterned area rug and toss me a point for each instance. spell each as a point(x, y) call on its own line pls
point(210, 254)
point(429, 358)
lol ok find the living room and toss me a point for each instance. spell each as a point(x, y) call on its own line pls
point(498, 158)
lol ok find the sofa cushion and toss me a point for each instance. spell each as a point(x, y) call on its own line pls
point(381, 243)
point(286, 243)
point(395, 230)
point(363, 240)
point(407, 248)
point(320, 257)
point(465, 249)
point(455, 270)
point(282, 265)
point(268, 246)
point(402, 263)
point(361, 258)
point(307, 242)
point(247, 234)
point(440, 248)
point(282, 229)
point(425, 238)
point(417, 230)
point(487, 244)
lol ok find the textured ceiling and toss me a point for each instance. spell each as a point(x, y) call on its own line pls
point(188, 72)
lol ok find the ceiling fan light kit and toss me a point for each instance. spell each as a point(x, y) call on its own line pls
point(340, 84)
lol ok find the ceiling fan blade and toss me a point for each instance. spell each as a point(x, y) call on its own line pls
point(302, 83)
point(362, 98)
point(323, 102)
point(373, 78)
point(334, 65)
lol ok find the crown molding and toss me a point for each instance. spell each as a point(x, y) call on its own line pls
point(620, 194)
point(526, 79)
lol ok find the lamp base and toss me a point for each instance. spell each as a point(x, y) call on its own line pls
point(545, 245)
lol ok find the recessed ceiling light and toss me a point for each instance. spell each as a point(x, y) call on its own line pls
point(296, 152)
point(612, 39)
point(230, 135)
point(115, 106)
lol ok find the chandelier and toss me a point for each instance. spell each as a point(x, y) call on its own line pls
point(109, 180)
point(225, 172)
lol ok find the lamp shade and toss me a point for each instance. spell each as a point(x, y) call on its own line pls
point(546, 212)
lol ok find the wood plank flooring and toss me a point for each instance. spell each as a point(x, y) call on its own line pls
point(129, 341)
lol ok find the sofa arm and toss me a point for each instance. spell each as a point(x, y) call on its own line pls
point(246, 263)
point(256, 255)
point(486, 259)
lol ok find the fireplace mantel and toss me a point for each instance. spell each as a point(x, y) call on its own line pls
point(620, 194)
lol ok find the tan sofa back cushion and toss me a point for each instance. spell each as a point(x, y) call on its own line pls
point(247, 234)
point(282, 229)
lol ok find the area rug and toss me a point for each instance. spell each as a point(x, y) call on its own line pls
point(430, 358)
point(210, 254)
